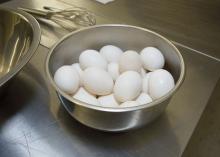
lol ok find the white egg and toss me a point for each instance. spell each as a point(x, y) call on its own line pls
point(127, 86)
point(111, 53)
point(77, 67)
point(113, 70)
point(130, 61)
point(86, 97)
point(145, 84)
point(143, 72)
point(97, 81)
point(92, 58)
point(152, 58)
point(108, 101)
point(144, 98)
point(129, 104)
point(160, 83)
point(67, 79)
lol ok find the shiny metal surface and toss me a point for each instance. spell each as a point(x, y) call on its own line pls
point(67, 51)
point(34, 123)
point(205, 138)
point(19, 39)
point(69, 19)
point(194, 23)
point(51, 32)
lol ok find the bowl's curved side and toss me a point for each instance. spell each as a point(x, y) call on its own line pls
point(106, 118)
point(66, 43)
point(113, 121)
point(29, 49)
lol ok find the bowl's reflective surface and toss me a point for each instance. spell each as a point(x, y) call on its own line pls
point(19, 38)
point(67, 51)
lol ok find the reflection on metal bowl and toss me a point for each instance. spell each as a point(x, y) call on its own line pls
point(19, 39)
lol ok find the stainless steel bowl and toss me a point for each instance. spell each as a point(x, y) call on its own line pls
point(19, 38)
point(126, 37)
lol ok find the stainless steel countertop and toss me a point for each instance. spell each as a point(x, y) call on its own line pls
point(192, 23)
point(33, 123)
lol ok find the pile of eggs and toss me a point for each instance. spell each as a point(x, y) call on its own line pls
point(113, 78)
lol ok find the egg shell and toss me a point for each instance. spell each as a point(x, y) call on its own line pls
point(152, 59)
point(111, 53)
point(97, 81)
point(77, 67)
point(130, 60)
point(145, 84)
point(143, 72)
point(86, 97)
point(160, 83)
point(108, 101)
point(129, 104)
point(67, 79)
point(144, 99)
point(113, 70)
point(92, 58)
point(127, 86)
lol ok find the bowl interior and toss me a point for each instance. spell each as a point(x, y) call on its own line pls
point(126, 37)
point(16, 35)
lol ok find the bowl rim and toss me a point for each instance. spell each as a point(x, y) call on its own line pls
point(118, 109)
point(33, 46)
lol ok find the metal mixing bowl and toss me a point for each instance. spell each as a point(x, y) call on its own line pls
point(67, 51)
point(19, 38)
